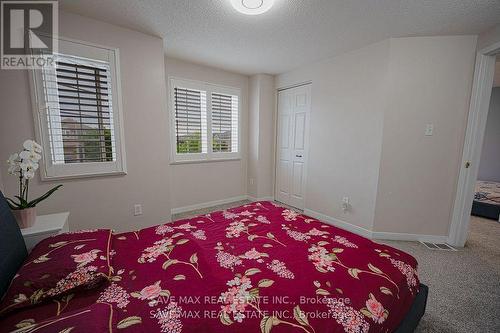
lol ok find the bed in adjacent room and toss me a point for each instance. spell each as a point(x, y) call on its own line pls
point(258, 267)
point(487, 200)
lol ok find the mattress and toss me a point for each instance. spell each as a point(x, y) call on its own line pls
point(255, 268)
point(487, 192)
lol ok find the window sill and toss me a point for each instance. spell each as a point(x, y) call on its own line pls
point(213, 160)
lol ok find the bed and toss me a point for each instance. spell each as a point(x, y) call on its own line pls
point(258, 267)
point(487, 200)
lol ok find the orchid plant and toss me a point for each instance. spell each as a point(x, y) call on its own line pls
point(24, 165)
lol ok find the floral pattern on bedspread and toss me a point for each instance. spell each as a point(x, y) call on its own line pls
point(258, 267)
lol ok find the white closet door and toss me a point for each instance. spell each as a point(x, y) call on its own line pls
point(294, 106)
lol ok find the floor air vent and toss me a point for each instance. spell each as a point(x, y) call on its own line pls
point(438, 246)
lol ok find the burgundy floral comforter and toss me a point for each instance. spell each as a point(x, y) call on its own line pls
point(259, 267)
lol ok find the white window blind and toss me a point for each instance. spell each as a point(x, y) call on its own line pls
point(224, 123)
point(190, 120)
point(205, 121)
point(78, 112)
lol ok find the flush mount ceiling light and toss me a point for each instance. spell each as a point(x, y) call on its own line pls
point(252, 7)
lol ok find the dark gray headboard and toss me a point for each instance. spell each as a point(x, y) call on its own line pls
point(12, 247)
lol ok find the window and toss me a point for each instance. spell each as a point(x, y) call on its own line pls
point(205, 121)
point(77, 110)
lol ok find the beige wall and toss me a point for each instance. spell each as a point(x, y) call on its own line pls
point(489, 37)
point(369, 111)
point(348, 101)
point(489, 167)
point(430, 82)
point(198, 183)
point(104, 201)
point(262, 105)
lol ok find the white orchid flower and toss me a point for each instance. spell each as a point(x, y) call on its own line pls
point(30, 155)
point(27, 165)
point(14, 169)
point(13, 159)
point(32, 146)
point(29, 174)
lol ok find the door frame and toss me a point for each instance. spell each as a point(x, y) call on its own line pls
point(276, 119)
point(476, 126)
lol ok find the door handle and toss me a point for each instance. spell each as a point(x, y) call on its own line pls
point(298, 155)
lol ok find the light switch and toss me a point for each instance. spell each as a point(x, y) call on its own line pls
point(137, 210)
point(429, 129)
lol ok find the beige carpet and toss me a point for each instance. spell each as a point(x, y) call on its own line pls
point(464, 286)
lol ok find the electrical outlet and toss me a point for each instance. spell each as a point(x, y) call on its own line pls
point(137, 210)
point(251, 181)
point(429, 129)
point(346, 206)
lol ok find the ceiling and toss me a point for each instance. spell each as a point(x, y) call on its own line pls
point(292, 33)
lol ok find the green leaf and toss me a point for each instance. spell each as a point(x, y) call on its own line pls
point(324, 292)
point(129, 321)
point(67, 330)
point(354, 272)
point(252, 271)
point(385, 290)
point(12, 204)
point(270, 235)
point(182, 241)
point(25, 323)
point(194, 258)
point(337, 250)
point(35, 202)
point(300, 316)
point(264, 283)
point(254, 292)
point(366, 312)
point(169, 262)
point(374, 269)
point(266, 324)
point(224, 318)
point(179, 277)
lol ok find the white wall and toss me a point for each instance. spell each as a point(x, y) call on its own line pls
point(369, 110)
point(262, 105)
point(104, 201)
point(198, 183)
point(348, 101)
point(431, 80)
point(489, 168)
point(489, 37)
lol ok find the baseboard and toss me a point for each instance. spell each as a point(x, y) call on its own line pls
point(260, 199)
point(339, 223)
point(375, 234)
point(208, 204)
point(325, 218)
point(409, 237)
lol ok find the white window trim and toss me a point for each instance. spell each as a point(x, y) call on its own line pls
point(209, 156)
point(50, 171)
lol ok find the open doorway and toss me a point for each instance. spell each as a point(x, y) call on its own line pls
point(485, 215)
point(484, 76)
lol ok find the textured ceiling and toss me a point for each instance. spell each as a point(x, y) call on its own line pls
point(292, 33)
